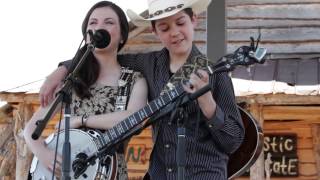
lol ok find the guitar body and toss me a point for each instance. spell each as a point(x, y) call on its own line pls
point(248, 152)
point(81, 142)
point(245, 156)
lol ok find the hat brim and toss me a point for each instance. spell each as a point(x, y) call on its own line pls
point(197, 6)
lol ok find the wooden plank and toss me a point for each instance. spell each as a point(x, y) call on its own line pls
point(138, 167)
point(292, 113)
point(294, 56)
point(275, 11)
point(276, 35)
point(301, 132)
point(280, 47)
point(5, 133)
point(138, 176)
point(306, 156)
point(261, 2)
point(307, 170)
point(270, 23)
point(316, 142)
point(280, 99)
point(146, 141)
point(273, 125)
point(12, 98)
point(23, 156)
point(305, 143)
point(257, 170)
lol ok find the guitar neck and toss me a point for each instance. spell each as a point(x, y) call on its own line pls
point(115, 133)
point(226, 63)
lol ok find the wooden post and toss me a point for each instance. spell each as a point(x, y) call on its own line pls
point(257, 170)
point(316, 142)
point(216, 30)
point(23, 158)
point(7, 143)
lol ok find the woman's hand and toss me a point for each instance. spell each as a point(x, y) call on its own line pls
point(46, 157)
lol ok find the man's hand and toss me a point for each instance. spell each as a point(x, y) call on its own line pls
point(51, 85)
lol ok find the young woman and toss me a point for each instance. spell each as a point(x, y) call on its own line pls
point(93, 100)
point(214, 126)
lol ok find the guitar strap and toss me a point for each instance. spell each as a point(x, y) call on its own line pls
point(197, 62)
point(183, 73)
point(125, 84)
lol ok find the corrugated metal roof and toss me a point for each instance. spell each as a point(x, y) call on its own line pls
point(294, 76)
point(299, 77)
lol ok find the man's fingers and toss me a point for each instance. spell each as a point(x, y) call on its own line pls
point(42, 101)
point(57, 169)
point(203, 75)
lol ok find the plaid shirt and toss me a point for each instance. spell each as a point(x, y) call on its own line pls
point(208, 147)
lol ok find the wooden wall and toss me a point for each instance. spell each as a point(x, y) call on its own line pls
point(305, 150)
point(287, 26)
point(146, 41)
point(291, 114)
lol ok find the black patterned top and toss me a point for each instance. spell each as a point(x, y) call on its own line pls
point(102, 101)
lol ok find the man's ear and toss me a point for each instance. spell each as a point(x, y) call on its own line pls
point(194, 20)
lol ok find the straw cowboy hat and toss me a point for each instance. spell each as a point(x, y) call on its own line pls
point(159, 9)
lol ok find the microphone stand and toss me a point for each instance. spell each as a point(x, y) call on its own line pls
point(181, 129)
point(177, 108)
point(64, 95)
point(179, 113)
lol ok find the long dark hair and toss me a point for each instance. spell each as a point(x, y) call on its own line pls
point(89, 72)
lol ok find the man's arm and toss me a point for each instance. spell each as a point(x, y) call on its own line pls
point(226, 125)
point(51, 85)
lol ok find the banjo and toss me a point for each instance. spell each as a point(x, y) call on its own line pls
point(89, 148)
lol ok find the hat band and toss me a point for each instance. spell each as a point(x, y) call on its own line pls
point(168, 9)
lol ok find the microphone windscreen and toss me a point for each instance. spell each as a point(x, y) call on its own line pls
point(101, 38)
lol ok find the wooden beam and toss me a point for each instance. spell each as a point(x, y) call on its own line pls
point(255, 2)
point(275, 11)
point(316, 142)
point(306, 113)
point(280, 99)
point(19, 97)
point(23, 156)
point(257, 170)
point(5, 133)
point(216, 31)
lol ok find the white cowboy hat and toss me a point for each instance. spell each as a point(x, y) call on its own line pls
point(159, 9)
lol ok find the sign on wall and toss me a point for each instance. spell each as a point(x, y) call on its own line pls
point(281, 159)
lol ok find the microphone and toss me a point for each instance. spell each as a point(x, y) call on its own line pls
point(100, 38)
